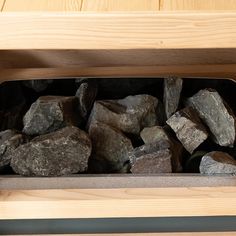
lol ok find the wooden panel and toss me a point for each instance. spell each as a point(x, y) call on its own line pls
point(117, 31)
point(42, 5)
point(103, 203)
point(120, 5)
point(175, 5)
point(1, 4)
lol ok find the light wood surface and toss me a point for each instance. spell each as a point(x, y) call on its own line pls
point(197, 5)
point(117, 31)
point(103, 203)
point(42, 5)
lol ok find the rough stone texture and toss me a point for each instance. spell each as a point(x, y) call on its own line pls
point(188, 128)
point(151, 158)
point(9, 141)
point(158, 134)
point(110, 148)
point(37, 85)
point(217, 163)
point(172, 91)
point(86, 95)
point(129, 115)
point(50, 113)
point(63, 152)
point(216, 114)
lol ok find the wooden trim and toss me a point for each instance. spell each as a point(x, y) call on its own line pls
point(117, 31)
point(123, 202)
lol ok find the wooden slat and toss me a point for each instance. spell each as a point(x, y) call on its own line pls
point(1, 4)
point(103, 203)
point(42, 5)
point(196, 5)
point(120, 5)
point(117, 31)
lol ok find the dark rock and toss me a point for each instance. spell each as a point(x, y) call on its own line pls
point(86, 95)
point(172, 91)
point(217, 163)
point(37, 85)
point(151, 158)
point(188, 128)
point(9, 141)
point(216, 114)
point(50, 113)
point(129, 115)
point(63, 152)
point(159, 134)
point(110, 147)
point(193, 163)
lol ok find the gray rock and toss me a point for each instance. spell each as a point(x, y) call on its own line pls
point(9, 141)
point(159, 134)
point(151, 158)
point(62, 152)
point(110, 147)
point(217, 163)
point(188, 128)
point(50, 113)
point(172, 91)
point(38, 85)
point(129, 115)
point(216, 114)
point(86, 95)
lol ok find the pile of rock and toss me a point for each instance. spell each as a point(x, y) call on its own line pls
point(140, 134)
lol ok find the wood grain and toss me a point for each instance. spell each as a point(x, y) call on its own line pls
point(103, 203)
point(197, 5)
point(120, 5)
point(117, 31)
point(1, 4)
point(42, 5)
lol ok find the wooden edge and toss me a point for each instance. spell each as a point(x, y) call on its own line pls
point(211, 71)
point(117, 30)
point(123, 202)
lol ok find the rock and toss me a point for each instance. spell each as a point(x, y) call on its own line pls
point(216, 114)
point(110, 147)
point(151, 158)
point(172, 91)
point(50, 113)
point(217, 162)
point(62, 152)
point(38, 85)
point(193, 163)
point(86, 95)
point(129, 115)
point(188, 128)
point(158, 134)
point(9, 141)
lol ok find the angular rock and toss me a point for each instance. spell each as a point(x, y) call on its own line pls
point(62, 152)
point(172, 91)
point(129, 115)
point(9, 141)
point(86, 95)
point(37, 85)
point(159, 134)
point(217, 162)
point(216, 114)
point(50, 113)
point(110, 147)
point(188, 128)
point(151, 158)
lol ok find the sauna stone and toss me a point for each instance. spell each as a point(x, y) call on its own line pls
point(9, 141)
point(86, 95)
point(110, 147)
point(188, 128)
point(217, 162)
point(216, 114)
point(158, 134)
point(38, 85)
point(62, 152)
point(50, 113)
point(172, 91)
point(151, 158)
point(129, 115)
